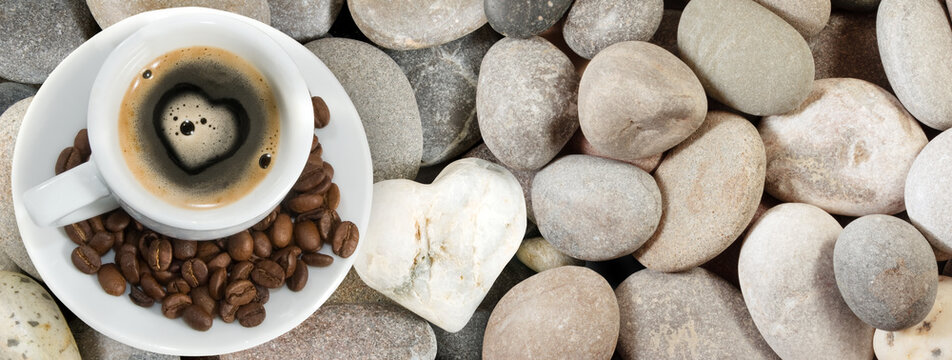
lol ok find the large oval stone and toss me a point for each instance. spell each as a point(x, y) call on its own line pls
point(928, 339)
point(108, 12)
point(807, 16)
point(593, 25)
point(416, 24)
point(32, 326)
point(928, 201)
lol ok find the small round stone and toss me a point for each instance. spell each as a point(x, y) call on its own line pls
point(659, 309)
point(710, 188)
point(529, 322)
point(384, 100)
point(304, 20)
point(787, 279)
point(108, 12)
point(637, 100)
point(577, 196)
point(846, 48)
point(526, 101)
point(886, 271)
point(926, 340)
point(593, 25)
point(416, 24)
point(444, 82)
point(10, 242)
point(539, 255)
point(928, 201)
point(38, 35)
point(807, 16)
point(522, 19)
point(11, 92)
point(846, 149)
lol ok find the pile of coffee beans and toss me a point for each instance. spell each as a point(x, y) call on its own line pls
point(230, 277)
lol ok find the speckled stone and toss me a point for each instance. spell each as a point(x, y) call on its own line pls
point(915, 42)
point(539, 255)
point(846, 149)
point(710, 187)
point(746, 56)
point(384, 100)
point(416, 24)
point(807, 16)
point(886, 271)
point(350, 331)
point(724, 265)
point(577, 195)
point(593, 25)
point(927, 197)
point(525, 177)
point(37, 35)
point(667, 34)
point(11, 92)
point(522, 19)
point(353, 290)
point(35, 327)
point(526, 101)
point(578, 144)
point(10, 242)
point(856, 5)
point(108, 12)
point(94, 345)
point(304, 20)
point(786, 276)
point(926, 340)
point(688, 315)
point(444, 81)
point(847, 48)
point(637, 100)
point(465, 344)
point(580, 323)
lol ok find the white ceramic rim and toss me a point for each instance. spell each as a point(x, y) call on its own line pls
point(166, 35)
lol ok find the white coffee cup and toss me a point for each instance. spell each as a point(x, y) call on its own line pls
point(106, 182)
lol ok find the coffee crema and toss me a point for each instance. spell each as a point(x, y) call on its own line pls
point(199, 127)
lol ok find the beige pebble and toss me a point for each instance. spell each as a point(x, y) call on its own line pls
point(539, 255)
point(10, 242)
point(108, 12)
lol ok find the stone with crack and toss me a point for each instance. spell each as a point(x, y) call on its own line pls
point(437, 249)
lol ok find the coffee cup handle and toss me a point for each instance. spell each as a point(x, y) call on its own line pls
point(72, 196)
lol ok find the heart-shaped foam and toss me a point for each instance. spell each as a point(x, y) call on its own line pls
point(437, 249)
point(197, 131)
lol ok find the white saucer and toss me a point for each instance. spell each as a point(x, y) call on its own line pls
point(59, 110)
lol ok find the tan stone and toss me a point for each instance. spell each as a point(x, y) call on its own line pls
point(108, 12)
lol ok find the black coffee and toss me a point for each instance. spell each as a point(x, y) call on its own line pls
point(199, 127)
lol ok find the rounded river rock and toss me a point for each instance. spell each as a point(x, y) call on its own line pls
point(807, 16)
point(926, 340)
point(593, 25)
point(10, 241)
point(416, 24)
point(928, 201)
point(522, 19)
point(108, 12)
point(37, 35)
point(539, 255)
point(304, 20)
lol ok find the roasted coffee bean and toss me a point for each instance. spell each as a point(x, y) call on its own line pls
point(132, 236)
point(96, 224)
point(178, 285)
point(217, 282)
point(152, 287)
point(332, 197)
point(305, 202)
point(287, 259)
point(281, 231)
point(86, 259)
point(240, 292)
point(143, 268)
point(241, 271)
point(128, 265)
point(262, 244)
point(241, 246)
point(309, 180)
point(250, 315)
point(120, 237)
point(315, 143)
point(322, 186)
point(111, 279)
point(176, 266)
point(315, 160)
point(197, 318)
point(164, 277)
point(267, 273)
point(306, 236)
point(66, 157)
point(207, 250)
point(102, 242)
point(195, 272)
point(184, 249)
point(159, 255)
point(322, 115)
point(81, 143)
point(117, 221)
point(222, 260)
point(262, 294)
point(174, 305)
point(222, 244)
point(265, 223)
point(345, 239)
point(328, 170)
point(327, 224)
point(317, 259)
point(79, 232)
point(201, 298)
point(140, 298)
point(145, 241)
point(227, 311)
point(298, 279)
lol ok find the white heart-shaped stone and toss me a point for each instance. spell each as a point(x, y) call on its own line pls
point(437, 249)
point(212, 134)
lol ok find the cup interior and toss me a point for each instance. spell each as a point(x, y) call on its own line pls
point(124, 64)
